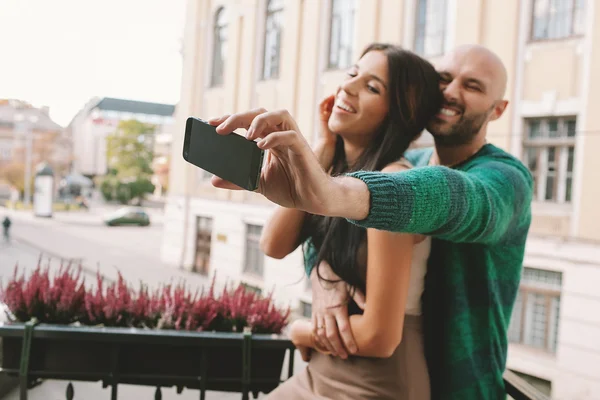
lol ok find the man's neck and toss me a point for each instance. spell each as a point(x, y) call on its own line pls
point(453, 155)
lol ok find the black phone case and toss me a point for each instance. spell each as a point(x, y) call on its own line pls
point(218, 163)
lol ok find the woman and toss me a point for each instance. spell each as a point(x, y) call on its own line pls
point(380, 108)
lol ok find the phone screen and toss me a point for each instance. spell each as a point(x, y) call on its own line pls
point(231, 157)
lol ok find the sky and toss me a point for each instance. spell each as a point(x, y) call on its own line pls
point(61, 53)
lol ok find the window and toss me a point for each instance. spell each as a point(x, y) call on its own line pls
point(535, 317)
point(254, 259)
point(557, 19)
point(219, 47)
point(5, 150)
point(252, 289)
point(430, 32)
point(305, 309)
point(342, 33)
point(549, 152)
point(272, 39)
point(203, 244)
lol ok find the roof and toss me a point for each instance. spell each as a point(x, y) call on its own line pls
point(136, 107)
point(42, 121)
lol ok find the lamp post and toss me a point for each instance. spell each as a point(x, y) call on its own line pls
point(26, 132)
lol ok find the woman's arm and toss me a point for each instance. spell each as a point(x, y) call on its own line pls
point(378, 331)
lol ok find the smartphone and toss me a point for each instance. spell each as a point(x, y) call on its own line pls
point(231, 157)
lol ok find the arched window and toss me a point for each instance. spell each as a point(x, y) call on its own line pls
point(341, 36)
point(272, 39)
point(219, 47)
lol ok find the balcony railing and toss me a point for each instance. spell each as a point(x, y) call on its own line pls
point(191, 360)
point(519, 389)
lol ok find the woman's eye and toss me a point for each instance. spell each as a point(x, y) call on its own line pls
point(351, 74)
point(373, 89)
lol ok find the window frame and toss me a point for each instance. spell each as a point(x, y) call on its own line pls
point(423, 27)
point(201, 234)
point(573, 32)
point(259, 270)
point(526, 290)
point(218, 43)
point(561, 144)
point(337, 65)
point(271, 13)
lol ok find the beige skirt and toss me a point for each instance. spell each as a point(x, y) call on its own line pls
point(403, 376)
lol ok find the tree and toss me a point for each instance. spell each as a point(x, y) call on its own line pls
point(14, 174)
point(129, 152)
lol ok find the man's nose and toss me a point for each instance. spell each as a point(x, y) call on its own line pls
point(451, 91)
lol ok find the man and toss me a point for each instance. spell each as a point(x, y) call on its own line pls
point(471, 197)
point(6, 222)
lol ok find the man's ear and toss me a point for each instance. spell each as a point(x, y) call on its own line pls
point(499, 109)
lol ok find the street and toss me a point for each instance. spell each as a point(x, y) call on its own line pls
point(134, 251)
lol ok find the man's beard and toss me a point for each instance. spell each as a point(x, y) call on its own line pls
point(461, 133)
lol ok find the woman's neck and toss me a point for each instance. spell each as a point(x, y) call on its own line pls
point(353, 151)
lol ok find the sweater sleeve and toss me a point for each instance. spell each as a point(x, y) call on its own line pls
point(481, 205)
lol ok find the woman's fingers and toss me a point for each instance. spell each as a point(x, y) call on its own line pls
point(218, 120)
point(269, 122)
point(223, 184)
point(239, 120)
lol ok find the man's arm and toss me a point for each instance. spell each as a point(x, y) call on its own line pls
point(481, 205)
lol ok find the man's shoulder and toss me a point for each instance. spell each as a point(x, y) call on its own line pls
point(497, 158)
point(419, 157)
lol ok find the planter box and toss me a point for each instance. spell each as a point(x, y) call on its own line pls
point(233, 362)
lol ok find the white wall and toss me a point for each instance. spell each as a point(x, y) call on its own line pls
point(286, 277)
point(575, 368)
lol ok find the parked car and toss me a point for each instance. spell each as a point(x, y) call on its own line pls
point(128, 216)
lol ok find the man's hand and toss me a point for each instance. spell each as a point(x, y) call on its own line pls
point(330, 311)
point(292, 175)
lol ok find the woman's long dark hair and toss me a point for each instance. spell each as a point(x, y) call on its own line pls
point(414, 98)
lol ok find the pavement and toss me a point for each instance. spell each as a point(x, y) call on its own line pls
point(81, 237)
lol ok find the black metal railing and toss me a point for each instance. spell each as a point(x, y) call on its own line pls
point(519, 389)
point(194, 357)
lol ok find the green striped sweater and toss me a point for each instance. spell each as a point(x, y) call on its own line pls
point(478, 214)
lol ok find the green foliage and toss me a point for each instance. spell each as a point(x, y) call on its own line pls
point(130, 155)
point(107, 190)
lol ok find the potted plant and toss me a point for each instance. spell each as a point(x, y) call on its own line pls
point(61, 329)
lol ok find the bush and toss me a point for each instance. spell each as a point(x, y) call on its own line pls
point(64, 300)
point(107, 189)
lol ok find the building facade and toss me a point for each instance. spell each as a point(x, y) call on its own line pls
point(243, 54)
point(100, 118)
point(29, 135)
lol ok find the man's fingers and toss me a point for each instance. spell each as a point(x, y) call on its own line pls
point(223, 184)
point(333, 337)
point(343, 324)
point(240, 120)
point(359, 299)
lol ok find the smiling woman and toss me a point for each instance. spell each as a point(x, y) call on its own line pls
point(381, 106)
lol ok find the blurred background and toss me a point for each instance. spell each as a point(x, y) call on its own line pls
point(95, 96)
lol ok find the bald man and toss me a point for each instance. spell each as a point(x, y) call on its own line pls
point(471, 197)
